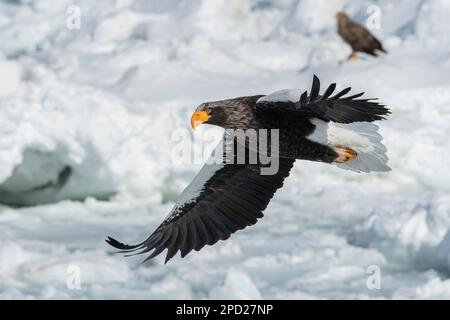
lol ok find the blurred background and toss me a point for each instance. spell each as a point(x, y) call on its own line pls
point(92, 91)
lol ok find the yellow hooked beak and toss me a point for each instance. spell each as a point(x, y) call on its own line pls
point(198, 118)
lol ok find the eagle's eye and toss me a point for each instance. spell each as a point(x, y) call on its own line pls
point(208, 110)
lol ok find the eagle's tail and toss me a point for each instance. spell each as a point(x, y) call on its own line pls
point(359, 145)
point(382, 50)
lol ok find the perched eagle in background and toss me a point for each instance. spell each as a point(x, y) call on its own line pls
point(226, 197)
point(358, 37)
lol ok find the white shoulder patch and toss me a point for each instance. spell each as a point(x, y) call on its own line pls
point(197, 185)
point(286, 95)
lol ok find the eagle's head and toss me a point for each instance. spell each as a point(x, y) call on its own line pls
point(229, 114)
point(342, 17)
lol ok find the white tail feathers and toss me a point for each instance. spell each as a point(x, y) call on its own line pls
point(361, 137)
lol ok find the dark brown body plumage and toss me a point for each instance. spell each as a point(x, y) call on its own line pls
point(357, 36)
point(243, 113)
point(293, 130)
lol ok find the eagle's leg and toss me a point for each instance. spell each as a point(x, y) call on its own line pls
point(304, 149)
point(353, 56)
point(345, 154)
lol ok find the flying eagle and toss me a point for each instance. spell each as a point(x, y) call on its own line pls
point(358, 37)
point(224, 197)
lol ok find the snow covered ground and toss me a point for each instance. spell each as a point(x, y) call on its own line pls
point(89, 113)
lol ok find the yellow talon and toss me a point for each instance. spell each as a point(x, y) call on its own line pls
point(345, 154)
point(353, 56)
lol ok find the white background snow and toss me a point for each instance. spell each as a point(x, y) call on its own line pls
point(104, 99)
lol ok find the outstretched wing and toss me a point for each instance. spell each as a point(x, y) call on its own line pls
point(330, 106)
point(222, 199)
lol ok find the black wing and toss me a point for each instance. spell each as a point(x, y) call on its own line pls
point(232, 198)
point(328, 107)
